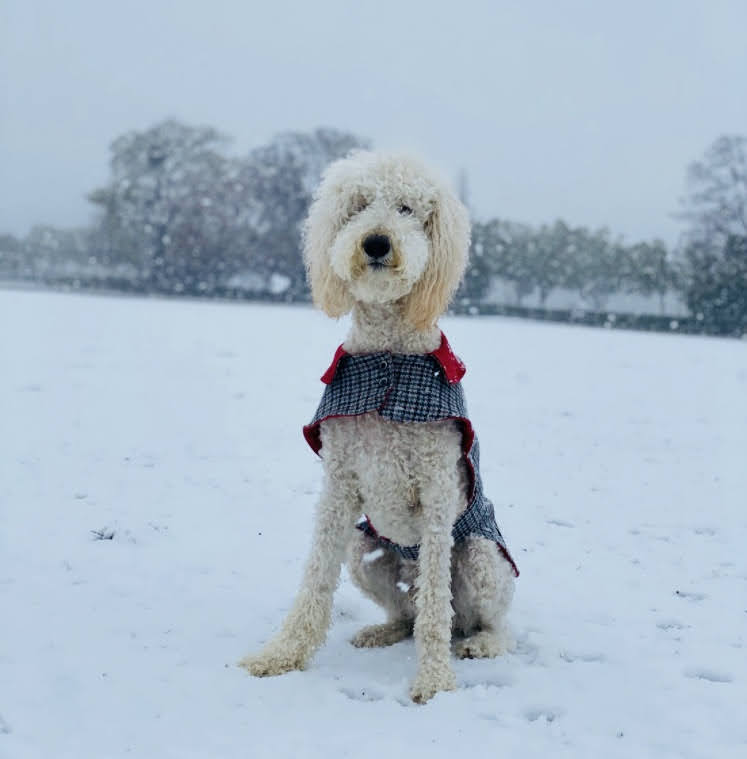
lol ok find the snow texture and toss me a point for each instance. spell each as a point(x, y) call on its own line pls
point(155, 505)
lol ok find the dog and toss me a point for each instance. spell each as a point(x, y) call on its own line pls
point(387, 240)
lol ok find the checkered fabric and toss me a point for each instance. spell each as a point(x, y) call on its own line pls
point(408, 388)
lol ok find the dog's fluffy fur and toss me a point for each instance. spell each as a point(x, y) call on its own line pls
point(408, 478)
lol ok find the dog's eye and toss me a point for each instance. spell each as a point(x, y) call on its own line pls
point(405, 210)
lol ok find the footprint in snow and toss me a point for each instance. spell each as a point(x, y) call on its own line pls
point(488, 716)
point(527, 650)
point(487, 682)
point(589, 658)
point(671, 624)
point(690, 596)
point(541, 713)
point(559, 523)
point(362, 694)
point(708, 674)
point(708, 531)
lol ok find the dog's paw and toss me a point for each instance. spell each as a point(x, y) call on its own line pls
point(426, 686)
point(377, 636)
point(481, 645)
point(270, 663)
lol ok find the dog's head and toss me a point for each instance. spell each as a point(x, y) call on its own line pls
point(381, 229)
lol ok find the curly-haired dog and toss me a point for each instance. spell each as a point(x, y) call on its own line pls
point(387, 241)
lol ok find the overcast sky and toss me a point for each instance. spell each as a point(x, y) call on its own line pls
point(588, 111)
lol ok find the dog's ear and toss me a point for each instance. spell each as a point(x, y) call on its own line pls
point(328, 291)
point(448, 230)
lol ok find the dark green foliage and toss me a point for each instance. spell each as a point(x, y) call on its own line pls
point(714, 261)
point(11, 257)
point(717, 286)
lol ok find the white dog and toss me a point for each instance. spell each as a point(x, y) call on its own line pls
point(387, 241)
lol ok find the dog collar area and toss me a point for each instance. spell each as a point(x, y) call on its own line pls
point(453, 367)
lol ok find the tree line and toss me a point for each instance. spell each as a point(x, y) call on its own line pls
point(181, 215)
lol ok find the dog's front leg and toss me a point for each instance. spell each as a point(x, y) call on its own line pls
point(433, 597)
point(305, 627)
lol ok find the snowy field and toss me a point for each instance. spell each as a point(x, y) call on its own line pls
point(155, 505)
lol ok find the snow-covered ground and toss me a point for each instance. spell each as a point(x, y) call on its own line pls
point(155, 504)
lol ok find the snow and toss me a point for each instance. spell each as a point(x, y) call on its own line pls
point(155, 506)
point(377, 553)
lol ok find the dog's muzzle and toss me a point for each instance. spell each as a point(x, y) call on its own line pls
point(377, 247)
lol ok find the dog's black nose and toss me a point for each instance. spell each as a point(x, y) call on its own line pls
point(376, 246)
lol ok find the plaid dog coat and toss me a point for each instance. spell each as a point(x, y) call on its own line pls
point(409, 388)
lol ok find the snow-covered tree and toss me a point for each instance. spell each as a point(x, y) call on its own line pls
point(552, 258)
point(714, 255)
point(190, 218)
point(278, 181)
point(506, 249)
point(649, 270)
point(168, 207)
point(52, 253)
point(11, 257)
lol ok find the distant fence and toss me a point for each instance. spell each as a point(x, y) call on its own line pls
point(686, 325)
point(129, 286)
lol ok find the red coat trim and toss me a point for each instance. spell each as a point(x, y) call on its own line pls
point(329, 375)
point(453, 367)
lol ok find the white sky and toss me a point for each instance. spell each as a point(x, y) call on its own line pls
point(588, 111)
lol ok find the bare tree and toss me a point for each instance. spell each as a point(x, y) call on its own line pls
point(715, 200)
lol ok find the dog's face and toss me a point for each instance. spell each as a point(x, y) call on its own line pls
point(381, 229)
point(381, 247)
